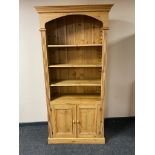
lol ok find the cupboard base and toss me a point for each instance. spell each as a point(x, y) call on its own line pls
point(76, 140)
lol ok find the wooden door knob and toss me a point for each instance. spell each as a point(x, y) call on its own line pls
point(78, 121)
point(74, 122)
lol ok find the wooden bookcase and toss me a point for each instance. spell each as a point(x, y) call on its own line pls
point(74, 41)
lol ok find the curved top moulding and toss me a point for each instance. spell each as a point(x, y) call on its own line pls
point(99, 12)
point(74, 15)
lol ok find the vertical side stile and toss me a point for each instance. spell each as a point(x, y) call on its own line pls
point(102, 70)
point(46, 77)
point(104, 67)
point(102, 81)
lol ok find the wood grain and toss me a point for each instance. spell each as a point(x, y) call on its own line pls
point(74, 8)
point(74, 65)
point(63, 117)
point(76, 140)
point(77, 83)
point(74, 45)
point(76, 99)
point(46, 77)
point(87, 120)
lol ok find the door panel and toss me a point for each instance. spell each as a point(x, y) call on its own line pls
point(63, 120)
point(86, 120)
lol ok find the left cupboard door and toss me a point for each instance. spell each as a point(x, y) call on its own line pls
point(63, 120)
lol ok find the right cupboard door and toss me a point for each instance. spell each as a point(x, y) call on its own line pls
point(87, 120)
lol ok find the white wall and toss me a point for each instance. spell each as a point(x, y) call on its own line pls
point(120, 78)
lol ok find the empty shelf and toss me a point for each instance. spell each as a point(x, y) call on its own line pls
point(76, 99)
point(77, 83)
point(81, 45)
point(74, 65)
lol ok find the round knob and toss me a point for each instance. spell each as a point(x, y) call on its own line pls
point(78, 121)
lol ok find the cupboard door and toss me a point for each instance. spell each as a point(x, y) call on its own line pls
point(63, 120)
point(86, 120)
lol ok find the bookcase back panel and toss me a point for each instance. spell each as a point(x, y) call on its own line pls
point(57, 74)
point(75, 55)
point(74, 29)
point(58, 91)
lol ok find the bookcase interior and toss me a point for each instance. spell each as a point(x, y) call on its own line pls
point(74, 30)
point(74, 50)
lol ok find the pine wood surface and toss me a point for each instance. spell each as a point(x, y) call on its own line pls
point(76, 99)
point(76, 140)
point(77, 83)
point(75, 65)
point(74, 44)
point(72, 8)
point(80, 45)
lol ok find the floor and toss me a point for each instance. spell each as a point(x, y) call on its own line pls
point(119, 133)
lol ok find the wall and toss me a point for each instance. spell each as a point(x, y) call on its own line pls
point(120, 83)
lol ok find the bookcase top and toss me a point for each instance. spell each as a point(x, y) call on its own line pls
point(74, 8)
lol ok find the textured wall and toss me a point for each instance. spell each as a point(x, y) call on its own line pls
point(120, 77)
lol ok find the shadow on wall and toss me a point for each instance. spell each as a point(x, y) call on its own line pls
point(120, 100)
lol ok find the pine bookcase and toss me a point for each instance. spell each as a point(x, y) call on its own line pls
point(74, 45)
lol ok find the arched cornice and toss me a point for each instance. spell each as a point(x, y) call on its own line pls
point(49, 13)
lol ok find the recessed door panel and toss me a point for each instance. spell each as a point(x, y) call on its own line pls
point(63, 120)
point(86, 121)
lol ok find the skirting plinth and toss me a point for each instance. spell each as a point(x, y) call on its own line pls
point(76, 140)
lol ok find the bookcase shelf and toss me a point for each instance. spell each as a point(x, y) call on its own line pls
point(87, 98)
point(77, 83)
point(80, 45)
point(75, 65)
